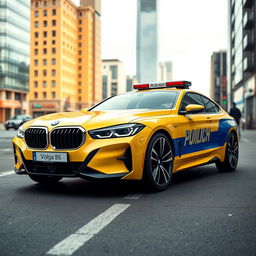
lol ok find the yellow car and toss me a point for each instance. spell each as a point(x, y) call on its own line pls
point(147, 134)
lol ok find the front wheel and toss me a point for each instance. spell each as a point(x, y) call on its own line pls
point(44, 179)
point(231, 155)
point(158, 163)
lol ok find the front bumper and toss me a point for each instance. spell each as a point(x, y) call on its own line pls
point(121, 158)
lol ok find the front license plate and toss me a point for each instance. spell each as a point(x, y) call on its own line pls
point(50, 157)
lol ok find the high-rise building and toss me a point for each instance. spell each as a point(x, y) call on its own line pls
point(242, 58)
point(218, 87)
point(113, 77)
point(14, 57)
point(147, 40)
point(130, 81)
point(65, 70)
point(165, 71)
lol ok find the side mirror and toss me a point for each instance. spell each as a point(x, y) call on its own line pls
point(192, 109)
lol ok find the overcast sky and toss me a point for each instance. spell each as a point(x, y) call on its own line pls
point(189, 31)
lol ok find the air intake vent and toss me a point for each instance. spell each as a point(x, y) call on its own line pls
point(36, 137)
point(67, 137)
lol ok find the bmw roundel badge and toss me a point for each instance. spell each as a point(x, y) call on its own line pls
point(55, 123)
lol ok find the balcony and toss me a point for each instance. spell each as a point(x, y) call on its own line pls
point(248, 42)
point(248, 20)
point(247, 3)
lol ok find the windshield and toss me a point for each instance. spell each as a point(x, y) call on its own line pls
point(139, 100)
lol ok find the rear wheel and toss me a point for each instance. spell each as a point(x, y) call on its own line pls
point(158, 163)
point(44, 179)
point(231, 155)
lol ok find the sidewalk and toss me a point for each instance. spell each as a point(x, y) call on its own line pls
point(2, 127)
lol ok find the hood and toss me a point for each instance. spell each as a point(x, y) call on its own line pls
point(95, 119)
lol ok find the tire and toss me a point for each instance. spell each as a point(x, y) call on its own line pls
point(44, 179)
point(231, 155)
point(7, 128)
point(158, 163)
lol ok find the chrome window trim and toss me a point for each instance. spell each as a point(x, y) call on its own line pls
point(47, 137)
point(73, 126)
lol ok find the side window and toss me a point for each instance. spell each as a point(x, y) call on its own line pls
point(209, 106)
point(191, 98)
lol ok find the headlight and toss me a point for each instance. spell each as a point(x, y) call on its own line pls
point(117, 131)
point(21, 133)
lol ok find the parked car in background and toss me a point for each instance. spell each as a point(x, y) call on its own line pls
point(16, 121)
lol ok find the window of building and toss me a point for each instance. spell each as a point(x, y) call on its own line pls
point(53, 72)
point(36, 13)
point(80, 37)
point(36, 4)
point(80, 22)
point(44, 51)
point(80, 44)
point(44, 72)
point(35, 73)
point(8, 95)
point(35, 62)
point(80, 14)
point(53, 61)
point(44, 42)
point(53, 33)
point(45, 3)
point(53, 50)
point(80, 98)
point(36, 43)
point(53, 42)
point(36, 34)
point(53, 12)
point(79, 83)
point(80, 30)
point(114, 70)
point(53, 2)
point(44, 84)
point(79, 60)
point(80, 52)
point(35, 84)
point(53, 95)
point(17, 96)
point(79, 91)
point(54, 22)
point(45, 13)
point(80, 67)
point(45, 34)
point(36, 51)
point(35, 95)
point(45, 23)
point(36, 24)
point(53, 83)
point(44, 62)
point(44, 95)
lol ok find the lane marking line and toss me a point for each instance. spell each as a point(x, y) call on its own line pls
point(244, 140)
point(5, 149)
point(133, 196)
point(7, 173)
point(73, 242)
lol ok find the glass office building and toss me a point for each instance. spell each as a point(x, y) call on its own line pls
point(147, 40)
point(14, 57)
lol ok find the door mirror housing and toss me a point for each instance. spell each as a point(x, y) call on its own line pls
point(192, 109)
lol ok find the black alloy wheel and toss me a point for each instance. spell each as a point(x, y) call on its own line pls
point(158, 163)
point(231, 155)
point(44, 179)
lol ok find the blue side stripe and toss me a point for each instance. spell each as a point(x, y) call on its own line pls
point(217, 139)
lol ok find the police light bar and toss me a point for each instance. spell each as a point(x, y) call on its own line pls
point(177, 84)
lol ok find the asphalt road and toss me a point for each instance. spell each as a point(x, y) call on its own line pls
point(202, 213)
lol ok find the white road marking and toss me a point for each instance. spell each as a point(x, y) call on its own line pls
point(7, 173)
point(6, 149)
point(133, 196)
point(244, 140)
point(73, 242)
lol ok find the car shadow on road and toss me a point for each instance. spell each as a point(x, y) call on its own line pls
point(105, 189)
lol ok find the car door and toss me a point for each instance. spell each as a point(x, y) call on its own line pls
point(194, 130)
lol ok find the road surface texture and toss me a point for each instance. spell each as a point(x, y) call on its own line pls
point(202, 213)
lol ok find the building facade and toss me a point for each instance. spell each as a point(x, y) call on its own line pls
point(14, 57)
point(218, 87)
point(113, 77)
point(242, 58)
point(147, 40)
point(165, 71)
point(65, 55)
point(130, 81)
